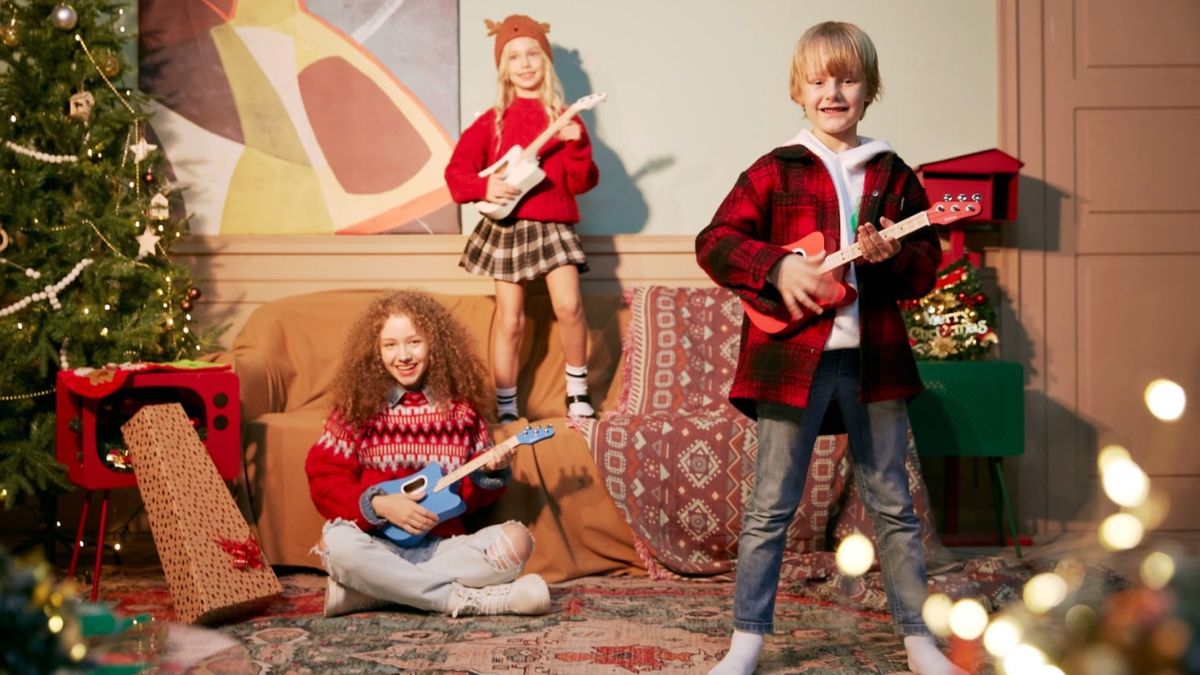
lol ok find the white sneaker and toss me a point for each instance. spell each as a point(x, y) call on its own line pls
point(340, 599)
point(527, 595)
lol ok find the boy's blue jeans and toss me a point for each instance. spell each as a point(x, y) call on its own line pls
point(878, 443)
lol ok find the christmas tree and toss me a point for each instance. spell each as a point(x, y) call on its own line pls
point(86, 223)
point(955, 321)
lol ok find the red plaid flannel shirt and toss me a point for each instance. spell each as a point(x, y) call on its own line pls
point(783, 196)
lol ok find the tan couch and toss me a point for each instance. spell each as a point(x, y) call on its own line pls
point(286, 356)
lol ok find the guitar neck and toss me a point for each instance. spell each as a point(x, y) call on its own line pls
point(896, 231)
point(466, 469)
point(556, 126)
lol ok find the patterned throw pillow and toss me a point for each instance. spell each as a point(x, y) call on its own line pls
point(680, 349)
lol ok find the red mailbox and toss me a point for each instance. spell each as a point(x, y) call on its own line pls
point(992, 174)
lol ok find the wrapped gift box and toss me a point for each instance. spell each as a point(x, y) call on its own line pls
point(214, 568)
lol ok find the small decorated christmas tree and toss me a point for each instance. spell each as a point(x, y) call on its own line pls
point(86, 223)
point(955, 321)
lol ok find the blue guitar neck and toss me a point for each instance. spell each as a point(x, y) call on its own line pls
point(441, 489)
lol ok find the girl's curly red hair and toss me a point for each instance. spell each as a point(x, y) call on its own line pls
point(456, 373)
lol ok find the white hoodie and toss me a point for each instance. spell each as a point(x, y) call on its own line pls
point(848, 171)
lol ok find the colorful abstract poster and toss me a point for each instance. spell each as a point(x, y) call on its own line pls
point(305, 116)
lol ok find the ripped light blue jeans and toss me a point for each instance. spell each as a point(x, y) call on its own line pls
point(878, 443)
point(419, 576)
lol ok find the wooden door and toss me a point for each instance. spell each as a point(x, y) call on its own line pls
point(1101, 99)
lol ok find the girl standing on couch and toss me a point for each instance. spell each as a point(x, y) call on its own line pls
point(406, 394)
point(538, 238)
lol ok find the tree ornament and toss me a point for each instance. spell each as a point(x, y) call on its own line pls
point(146, 242)
point(3, 239)
point(142, 149)
point(81, 106)
point(159, 209)
point(149, 177)
point(194, 293)
point(185, 305)
point(11, 34)
point(64, 17)
point(108, 63)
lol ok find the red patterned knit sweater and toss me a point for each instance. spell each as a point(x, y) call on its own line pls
point(345, 462)
point(569, 167)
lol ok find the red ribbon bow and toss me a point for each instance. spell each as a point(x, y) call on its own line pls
point(246, 554)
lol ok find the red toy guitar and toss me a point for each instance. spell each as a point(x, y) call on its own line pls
point(780, 321)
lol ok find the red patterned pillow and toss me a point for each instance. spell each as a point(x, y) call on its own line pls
point(681, 481)
point(680, 350)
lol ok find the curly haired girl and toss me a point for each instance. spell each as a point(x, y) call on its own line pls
point(407, 394)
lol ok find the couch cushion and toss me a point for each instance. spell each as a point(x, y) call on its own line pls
point(680, 350)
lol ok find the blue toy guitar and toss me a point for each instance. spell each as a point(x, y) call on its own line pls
point(442, 499)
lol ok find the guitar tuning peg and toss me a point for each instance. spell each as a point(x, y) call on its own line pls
point(946, 196)
point(962, 197)
point(955, 208)
point(975, 197)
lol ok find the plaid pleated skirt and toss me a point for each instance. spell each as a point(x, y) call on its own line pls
point(522, 250)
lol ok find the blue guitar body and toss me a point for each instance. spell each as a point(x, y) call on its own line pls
point(445, 503)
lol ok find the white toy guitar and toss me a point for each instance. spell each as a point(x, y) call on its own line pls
point(519, 166)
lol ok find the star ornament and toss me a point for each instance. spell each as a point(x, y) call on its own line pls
point(146, 242)
point(141, 149)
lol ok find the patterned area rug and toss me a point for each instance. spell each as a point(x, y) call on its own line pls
point(611, 625)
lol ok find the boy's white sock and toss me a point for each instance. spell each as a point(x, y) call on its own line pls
point(742, 658)
point(577, 391)
point(924, 657)
point(506, 403)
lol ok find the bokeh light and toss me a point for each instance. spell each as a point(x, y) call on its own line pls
point(1024, 659)
point(855, 555)
point(1109, 454)
point(1153, 510)
point(1080, 620)
point(1166, 400)
point(936, 613)
point(1002, 635)
point(1157, 570)
point(1121, 531)
point(1044, 592)
point(1125, 483)
point(968, 619)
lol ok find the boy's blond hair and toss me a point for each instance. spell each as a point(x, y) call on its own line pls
point(839, 48)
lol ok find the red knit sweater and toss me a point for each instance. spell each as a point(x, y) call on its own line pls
point(569, 167)
point(344, 462)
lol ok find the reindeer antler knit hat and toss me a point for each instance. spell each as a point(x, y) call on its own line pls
point(515, 26)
